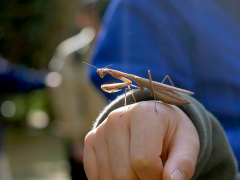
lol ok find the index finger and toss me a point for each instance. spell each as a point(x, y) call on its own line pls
point(147, 133)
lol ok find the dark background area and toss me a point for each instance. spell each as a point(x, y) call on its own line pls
point(30, 31)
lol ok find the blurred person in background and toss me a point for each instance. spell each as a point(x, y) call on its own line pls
point(76, 102)
point(16, 78)
point(197, 44)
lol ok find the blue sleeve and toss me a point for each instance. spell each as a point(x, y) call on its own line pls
point(16, 78)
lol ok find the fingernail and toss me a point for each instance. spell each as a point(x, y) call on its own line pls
point(177, 175)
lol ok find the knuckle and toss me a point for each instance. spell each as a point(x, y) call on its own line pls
point(144, 106)
point(90, 137)
point(141, 162)
point(114, 120)
point(95, 136)
point(114, 114)
point(100, 132)
point(142, 109)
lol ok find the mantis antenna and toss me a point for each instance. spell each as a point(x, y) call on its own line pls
point(95, 66)
point(109, 65)
point(90, 65)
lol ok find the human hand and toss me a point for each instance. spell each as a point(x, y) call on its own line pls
point(143, 144)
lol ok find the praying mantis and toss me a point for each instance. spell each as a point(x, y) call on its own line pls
point(160, 91)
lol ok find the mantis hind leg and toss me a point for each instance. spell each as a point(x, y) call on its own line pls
point(168, 79)
point(152, 89)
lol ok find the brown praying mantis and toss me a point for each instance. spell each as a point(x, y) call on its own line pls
point(160, 91)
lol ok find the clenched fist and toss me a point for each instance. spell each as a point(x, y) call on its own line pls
point(142, 144)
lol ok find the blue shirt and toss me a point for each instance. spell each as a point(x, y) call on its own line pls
point(17, 78)
point(196, 43)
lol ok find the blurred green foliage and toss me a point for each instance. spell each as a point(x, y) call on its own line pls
point(24, 103)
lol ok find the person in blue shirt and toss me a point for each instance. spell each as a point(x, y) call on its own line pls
point(196, 43)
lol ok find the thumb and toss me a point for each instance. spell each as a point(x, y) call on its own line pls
point(183, 152)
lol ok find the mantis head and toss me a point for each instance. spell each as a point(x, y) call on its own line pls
point(102, 72)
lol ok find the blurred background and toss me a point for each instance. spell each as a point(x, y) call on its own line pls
point(30, 31)
point(47, 104)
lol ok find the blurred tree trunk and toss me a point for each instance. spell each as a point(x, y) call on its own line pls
point(57, 26)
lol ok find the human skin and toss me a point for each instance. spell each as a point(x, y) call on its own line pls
point(142, 144)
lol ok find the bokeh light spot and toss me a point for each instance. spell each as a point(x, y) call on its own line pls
point(8, 109)
point(37, 119)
